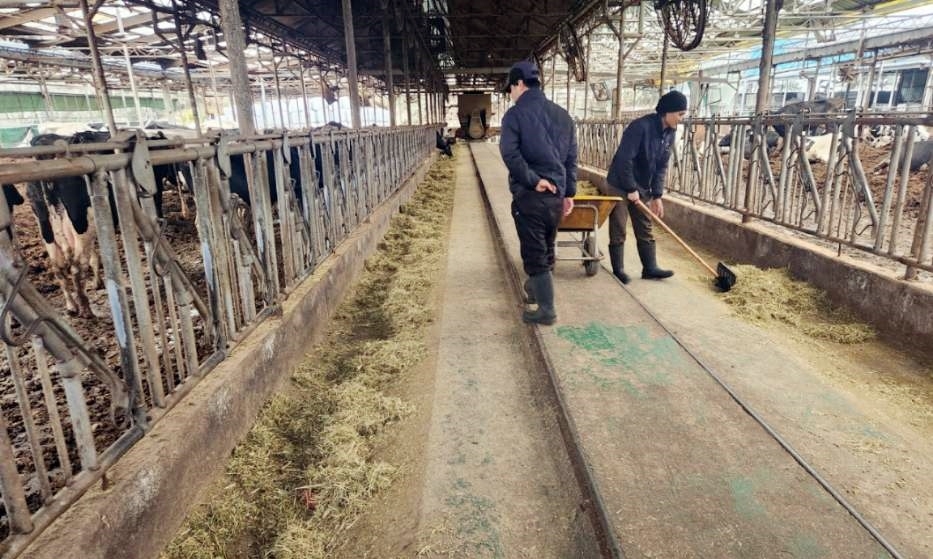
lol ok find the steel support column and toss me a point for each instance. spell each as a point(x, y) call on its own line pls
point(387, 43)
point(46, 96)
point(767, 54)
point(232, 27)
point(569, 74)
point(100, 81)
point(304, 94)
point(324, 103)
point(407, 77)
point(192, 100)
point(663, 65)
point(620, 65)
point(351, 63)
point(586, 82)
point(283, 114)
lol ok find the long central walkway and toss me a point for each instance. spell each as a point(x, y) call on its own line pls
point(681, 468)
point(613, 434)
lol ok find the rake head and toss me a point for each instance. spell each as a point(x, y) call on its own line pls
point(725, 278)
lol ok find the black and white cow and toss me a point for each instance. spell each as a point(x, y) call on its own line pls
point(819, 106)
point(12, 196)
point(772, 139)
point(67, 229)
point(442, 144)
point(921, 155)
point(63, 211)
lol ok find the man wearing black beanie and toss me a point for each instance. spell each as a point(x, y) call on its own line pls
point(637, 172)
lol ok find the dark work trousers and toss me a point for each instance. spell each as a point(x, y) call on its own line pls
point(619, 216)
point(537, 215)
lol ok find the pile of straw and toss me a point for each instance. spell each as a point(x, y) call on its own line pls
point(305, 471)
point(774, 296)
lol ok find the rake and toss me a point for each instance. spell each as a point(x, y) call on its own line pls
point(725, 278)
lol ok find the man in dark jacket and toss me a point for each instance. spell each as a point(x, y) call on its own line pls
point(539, 146)
point(637, 172)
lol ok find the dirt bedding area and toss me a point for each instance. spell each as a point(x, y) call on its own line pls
point(305, 471)
point(99, 336)
point(875, 164)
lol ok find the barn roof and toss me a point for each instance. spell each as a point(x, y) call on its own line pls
point(464, 44)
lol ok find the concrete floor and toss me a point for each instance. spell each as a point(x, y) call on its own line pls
point(496, 483)
point(683, 469)
point(485, 472)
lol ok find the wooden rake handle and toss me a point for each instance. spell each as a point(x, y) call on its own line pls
point(664, 226)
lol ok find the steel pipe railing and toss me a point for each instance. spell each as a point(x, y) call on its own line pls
point(171, 322)
point(844, 178)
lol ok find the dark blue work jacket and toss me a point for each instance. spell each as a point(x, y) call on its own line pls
point(640, 163)
point(538, 140)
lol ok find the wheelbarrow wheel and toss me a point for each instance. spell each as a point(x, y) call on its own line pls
point(591, 266)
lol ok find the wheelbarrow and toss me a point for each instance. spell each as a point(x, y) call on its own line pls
point(583, 223)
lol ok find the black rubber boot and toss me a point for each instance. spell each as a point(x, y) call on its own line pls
point(649, 262)
point(543, 288)
point(529, 293)
point(615, 256)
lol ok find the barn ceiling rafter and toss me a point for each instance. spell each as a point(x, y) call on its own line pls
point(455, 44)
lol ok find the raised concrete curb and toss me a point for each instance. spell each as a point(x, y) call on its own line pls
point(150, 489)
point(493, 186)
point(901, 310)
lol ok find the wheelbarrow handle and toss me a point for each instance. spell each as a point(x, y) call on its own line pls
point(664, 226)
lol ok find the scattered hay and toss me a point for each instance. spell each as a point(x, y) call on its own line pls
point(772, 295)
point(305, 471)
point(586, 188)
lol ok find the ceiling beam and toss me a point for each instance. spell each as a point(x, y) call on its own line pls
point(128, 23)
point(845, 47)
point(7, 22)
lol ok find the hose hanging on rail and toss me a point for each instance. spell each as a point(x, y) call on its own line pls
point(684, 21)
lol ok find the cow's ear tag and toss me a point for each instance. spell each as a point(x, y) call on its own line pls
point(223, 156)
point(141, 166)
point(286, 149)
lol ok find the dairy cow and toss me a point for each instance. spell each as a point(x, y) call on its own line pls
point(62, 209)
point(819, 106)
point(772, 140)
point(67, 229)
point(922, 155)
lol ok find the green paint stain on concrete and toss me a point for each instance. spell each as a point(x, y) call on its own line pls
point(873, 433)
point(806, 547)
point(476, 521)
point(626, 357)
point(744, 501)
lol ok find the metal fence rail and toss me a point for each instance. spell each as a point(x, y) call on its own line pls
point(843, 178)
point(71, 406)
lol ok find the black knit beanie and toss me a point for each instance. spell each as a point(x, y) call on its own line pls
point(671, 102)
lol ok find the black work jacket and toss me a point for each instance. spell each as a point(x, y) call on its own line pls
point(538, 140)
point(640, 163)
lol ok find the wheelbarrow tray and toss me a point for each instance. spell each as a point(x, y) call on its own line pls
point(589, 213)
